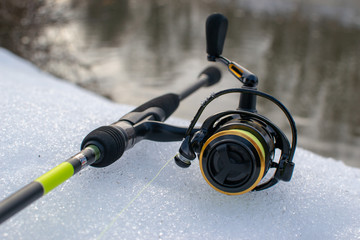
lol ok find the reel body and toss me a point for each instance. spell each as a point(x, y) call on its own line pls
point(237, 148)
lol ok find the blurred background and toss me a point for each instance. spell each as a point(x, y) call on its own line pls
point(306, 53)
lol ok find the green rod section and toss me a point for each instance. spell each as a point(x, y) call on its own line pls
point(47, 182)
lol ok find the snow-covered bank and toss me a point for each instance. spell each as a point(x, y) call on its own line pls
point(43, 121)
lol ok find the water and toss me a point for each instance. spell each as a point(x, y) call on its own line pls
point(305, 53)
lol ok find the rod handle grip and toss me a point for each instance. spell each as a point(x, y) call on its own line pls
point(111, 141)
point(160, 108)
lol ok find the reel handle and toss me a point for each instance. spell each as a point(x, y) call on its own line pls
point(216, 27)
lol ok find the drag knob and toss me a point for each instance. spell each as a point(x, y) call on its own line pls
point(232, 161)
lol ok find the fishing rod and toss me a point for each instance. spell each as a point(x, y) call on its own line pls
point(104, 145)
point(235, 148)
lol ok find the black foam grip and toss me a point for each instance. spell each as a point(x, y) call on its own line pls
point(111, 142)
point(168, 103)
point(213, 75)
point(216, 27)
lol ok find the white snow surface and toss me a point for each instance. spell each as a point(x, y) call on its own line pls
point(42, 123)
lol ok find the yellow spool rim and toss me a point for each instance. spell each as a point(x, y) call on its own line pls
point(249, 137)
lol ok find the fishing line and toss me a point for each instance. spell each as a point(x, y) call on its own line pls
point(107, 228)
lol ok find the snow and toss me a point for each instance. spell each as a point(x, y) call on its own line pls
point(43, 121)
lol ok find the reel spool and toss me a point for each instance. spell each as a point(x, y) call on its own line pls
point(235, 157)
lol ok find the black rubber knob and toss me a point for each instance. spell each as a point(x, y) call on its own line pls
point(111, 142)
point(216, 27)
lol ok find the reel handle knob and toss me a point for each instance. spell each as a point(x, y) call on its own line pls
point(216, 27)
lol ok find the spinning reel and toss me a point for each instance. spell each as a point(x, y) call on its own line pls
point(236, 148)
